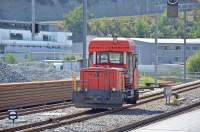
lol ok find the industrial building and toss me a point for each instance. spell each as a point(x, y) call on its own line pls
point(170, 51)
point(47, 45)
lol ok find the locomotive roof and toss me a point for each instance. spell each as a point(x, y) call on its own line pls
point(108, 44)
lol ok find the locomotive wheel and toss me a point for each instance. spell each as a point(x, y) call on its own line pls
point(132, 100)
point(136, 94)
point(135, 98)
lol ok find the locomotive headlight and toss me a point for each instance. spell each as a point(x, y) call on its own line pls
point(78, 89)
point(113, 89)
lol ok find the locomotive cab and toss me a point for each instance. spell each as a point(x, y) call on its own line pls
point(111, 78)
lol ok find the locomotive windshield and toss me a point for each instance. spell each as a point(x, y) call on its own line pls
point(109, 58)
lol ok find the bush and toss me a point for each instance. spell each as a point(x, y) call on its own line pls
point(29, 58)
point(193, 63)
point(73, 57)
point(66, 57)
point(10, 59)
point(69, 57)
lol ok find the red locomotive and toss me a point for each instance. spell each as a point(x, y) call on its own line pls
point(112, 76)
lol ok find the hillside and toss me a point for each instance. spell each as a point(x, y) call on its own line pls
point(49, 10)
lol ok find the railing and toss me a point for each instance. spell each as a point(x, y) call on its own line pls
point(194, 75)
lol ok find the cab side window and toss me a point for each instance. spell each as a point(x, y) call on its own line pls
point(135, 61)
point(90, 61)
point(129, 60)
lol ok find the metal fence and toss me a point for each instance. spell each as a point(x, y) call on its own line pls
point(50, 66)
point(169, 72)
point(194, 75)
point(53, 66)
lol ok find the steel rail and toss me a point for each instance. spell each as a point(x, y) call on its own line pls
point(174, 88)
point(151, 120)
point(41, 108)
point(86, 115)
point(27, 87)
point(37, 109)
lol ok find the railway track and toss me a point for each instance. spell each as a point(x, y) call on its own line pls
point(166, 115)
point(23, 95)
point(40, 108)
point(17, 96)
point(87, 115)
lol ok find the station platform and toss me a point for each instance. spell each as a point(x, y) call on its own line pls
point(188, 122)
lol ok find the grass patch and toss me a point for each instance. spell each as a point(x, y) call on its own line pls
point(144, 80)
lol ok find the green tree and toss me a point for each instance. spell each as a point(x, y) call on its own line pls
point(142, 27)
point(145, 26)
point(193, 63)
point(69, 57)
point(74, 23)
point(164, 27)
point(29, 58)
point(10, 59)
point(73, 57)
point(123, 26)
point(195, 30)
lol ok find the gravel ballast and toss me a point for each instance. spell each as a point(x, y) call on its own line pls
point(30, 72)
point(42, 116)
point(125, 117)
point(41, 71)
point(108, 121)
point(8, 75)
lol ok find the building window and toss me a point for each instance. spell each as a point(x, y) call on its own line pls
point(159, 59)
point(69, 37)
point(195, 48)
point(16, 36)
point(160, 47)
point(178, 47)
point(177, 59)
point(45, 38)
point(166, 48)
point(2, 49)
point(188, 48)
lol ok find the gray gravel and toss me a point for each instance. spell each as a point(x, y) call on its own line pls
point(42, 116)
point(8, 75)
point(105, 122)
point(130, 115)
point(40, 71)
point(28, 72)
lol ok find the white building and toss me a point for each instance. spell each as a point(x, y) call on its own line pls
point(46, 44)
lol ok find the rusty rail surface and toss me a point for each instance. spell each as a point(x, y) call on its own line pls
point(37, 109)
point(18, 95)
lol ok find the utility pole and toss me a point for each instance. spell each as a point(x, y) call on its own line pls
point(84, 33)
point(156, 52)
point(184, 49)
point(33, 18)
